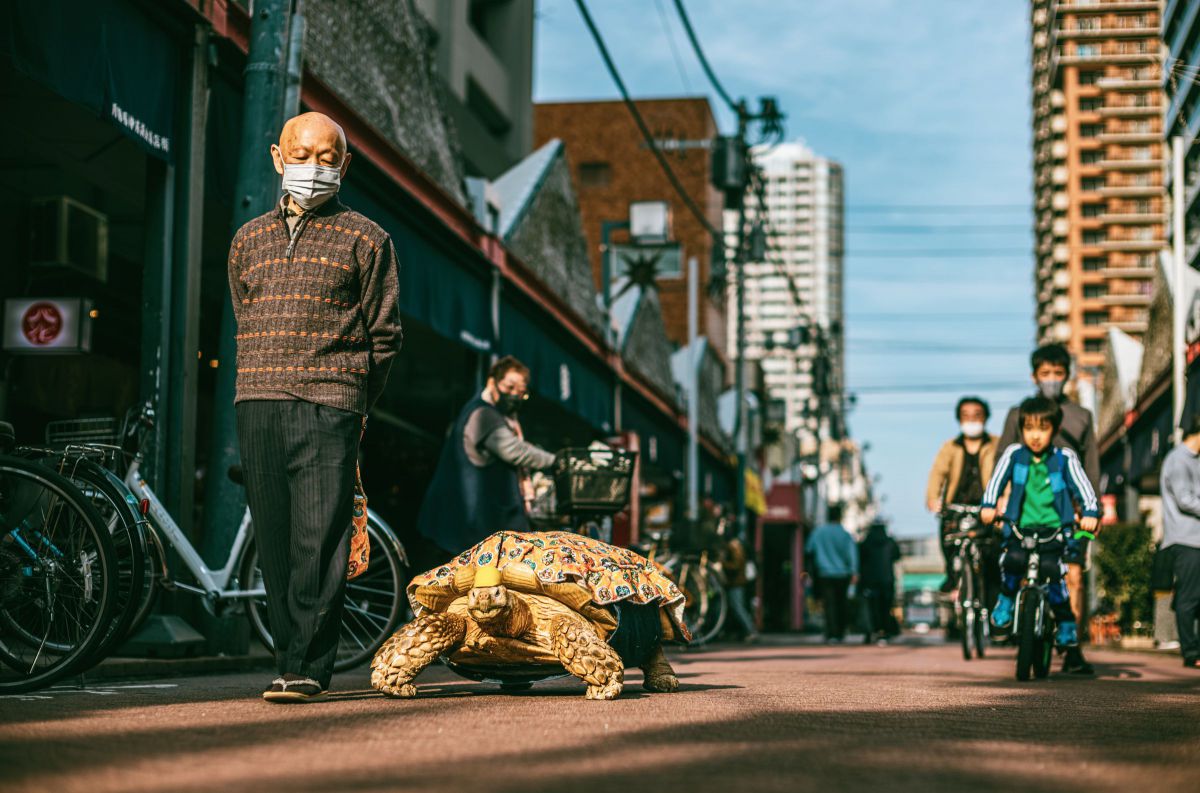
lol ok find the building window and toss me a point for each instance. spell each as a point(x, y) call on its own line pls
point(1090, 130)
point(1093, 237)
point(1093, 210)
point(1090, 157)
point(1093, 345)
point(1094, 318)
point(1087, 50)
point(1090, 77)
point(1087, 23)
point(594, 174)
point(1092, 183)
point(1093, 263)
point(1094, 290)
point(1090, 104)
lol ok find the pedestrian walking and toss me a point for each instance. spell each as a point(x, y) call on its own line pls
point(877, 556)
point(481, 484)
point(737, 568)
point(1051, 367)
point(1180, 487)
point(835, 558)
point(315, 289)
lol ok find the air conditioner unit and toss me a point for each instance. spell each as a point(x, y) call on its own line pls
point(66, 233)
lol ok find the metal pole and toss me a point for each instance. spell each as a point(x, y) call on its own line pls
point(693, 392)
point(295, 61)
point(741, 437)
point(257, 190)
point(1178, 343)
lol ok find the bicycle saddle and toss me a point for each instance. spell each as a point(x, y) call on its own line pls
point(7, 437)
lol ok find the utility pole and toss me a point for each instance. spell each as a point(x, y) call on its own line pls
point(741, 438)
point(693, 380)
point(257, 191)
point(1179, 309)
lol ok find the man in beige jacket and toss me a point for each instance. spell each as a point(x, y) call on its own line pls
point(962, 468)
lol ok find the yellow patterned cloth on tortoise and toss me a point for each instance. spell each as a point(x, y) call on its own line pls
point(594, 572)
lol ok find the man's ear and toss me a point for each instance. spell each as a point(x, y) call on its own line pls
point(277, 156)
point(345, 164)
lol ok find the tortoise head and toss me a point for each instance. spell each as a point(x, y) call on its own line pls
point(489, 599)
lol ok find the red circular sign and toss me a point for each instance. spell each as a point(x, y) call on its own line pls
point(42, 323)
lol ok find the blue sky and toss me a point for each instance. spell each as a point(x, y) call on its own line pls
point(926, 105)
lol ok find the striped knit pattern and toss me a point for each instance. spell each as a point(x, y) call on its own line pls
point(317, 316)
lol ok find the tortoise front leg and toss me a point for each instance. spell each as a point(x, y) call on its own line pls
point(584, 654)
point(411, 649)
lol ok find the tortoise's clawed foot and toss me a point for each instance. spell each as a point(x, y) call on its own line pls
point(606, 692)
point(660, 683)
point(405, 691)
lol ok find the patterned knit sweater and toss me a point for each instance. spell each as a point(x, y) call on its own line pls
point(316, 308)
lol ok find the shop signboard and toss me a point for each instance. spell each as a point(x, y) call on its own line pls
point(47, 325)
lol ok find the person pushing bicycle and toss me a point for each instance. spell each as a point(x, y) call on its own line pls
point(1046, 481)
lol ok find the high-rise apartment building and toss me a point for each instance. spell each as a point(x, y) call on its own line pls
point(484, 55)
point(787, 328)
point(1098, 163)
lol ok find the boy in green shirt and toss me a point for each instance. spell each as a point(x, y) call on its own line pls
point(1047, 481)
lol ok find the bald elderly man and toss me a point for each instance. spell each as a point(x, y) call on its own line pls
point(314, 288)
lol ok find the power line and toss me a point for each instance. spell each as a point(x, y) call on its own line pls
point(939, 229)
point(643, 128)
point(670, 36)
point(964, 253)
point(708, 71)
point(936, 207)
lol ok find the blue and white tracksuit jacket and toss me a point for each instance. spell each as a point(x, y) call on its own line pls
point(1069, 484)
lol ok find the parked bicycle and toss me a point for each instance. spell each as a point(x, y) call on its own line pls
point(971, 605)
point(706, 602)
point(58, 573)
point(142, 531)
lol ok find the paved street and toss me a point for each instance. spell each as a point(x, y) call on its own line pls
point(774, 717)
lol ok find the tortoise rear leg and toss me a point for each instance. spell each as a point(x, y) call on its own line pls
point(411, 649)
point(584, 654)
point(657, 674)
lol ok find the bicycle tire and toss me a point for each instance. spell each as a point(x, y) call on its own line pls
point(705, 603)
point(1027, 635)
point(1043, 648)
point(118, 508)
point(965, 606)
point(32, 590)
point(375, 599)
point(981, 632)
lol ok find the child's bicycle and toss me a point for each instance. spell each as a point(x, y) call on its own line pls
point(1034, 626)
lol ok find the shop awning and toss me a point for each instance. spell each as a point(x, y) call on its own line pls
point(439, 284)
point(104, 54)
point(561, 371)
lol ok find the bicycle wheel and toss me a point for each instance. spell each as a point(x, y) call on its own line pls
point(964, 605)
point(58, 576)
point(374, 605)
point(1027, 638)
point(981, 631)
point(1042, 651)
point(705, 602)
point(118, 509)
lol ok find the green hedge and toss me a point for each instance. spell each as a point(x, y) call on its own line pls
point(1123, 557)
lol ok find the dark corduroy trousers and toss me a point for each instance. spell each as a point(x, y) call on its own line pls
point(299, 461)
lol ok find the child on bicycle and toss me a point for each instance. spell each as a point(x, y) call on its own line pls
point(1045, 479)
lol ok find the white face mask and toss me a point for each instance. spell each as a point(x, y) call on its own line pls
point(972, 429)
point(311, 185)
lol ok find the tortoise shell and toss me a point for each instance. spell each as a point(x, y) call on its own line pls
point(586, 575)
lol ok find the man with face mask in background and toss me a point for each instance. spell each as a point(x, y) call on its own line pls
point(961, 470)
point(1051, 366)
point(481, 486)
point(315, 291)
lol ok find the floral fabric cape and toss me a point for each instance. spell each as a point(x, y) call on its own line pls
point(606, 572)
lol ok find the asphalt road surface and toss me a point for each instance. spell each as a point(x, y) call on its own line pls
point(773, 717)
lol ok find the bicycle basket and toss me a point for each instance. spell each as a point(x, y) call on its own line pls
point(593, 480)
point(72, 431)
